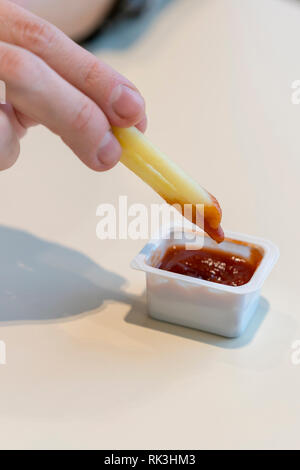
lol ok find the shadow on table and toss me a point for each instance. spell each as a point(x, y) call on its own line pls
point(42, 281)
point(138, 316)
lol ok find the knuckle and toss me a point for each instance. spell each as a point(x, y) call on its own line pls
point(19, 65)
point(84, 116)
point(92, 74)
point(12, 62)
point(35, 34)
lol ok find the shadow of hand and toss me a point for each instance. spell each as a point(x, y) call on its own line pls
point(43, 281)
point(40, 280)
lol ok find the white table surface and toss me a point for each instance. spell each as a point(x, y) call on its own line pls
point(86, 367)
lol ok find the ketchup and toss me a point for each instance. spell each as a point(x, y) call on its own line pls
point(211, 264)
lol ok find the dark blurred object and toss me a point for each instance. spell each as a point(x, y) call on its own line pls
point(126, 23)
point(121, 9)
point(130, 8)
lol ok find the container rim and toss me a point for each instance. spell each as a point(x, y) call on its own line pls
point(270, 257)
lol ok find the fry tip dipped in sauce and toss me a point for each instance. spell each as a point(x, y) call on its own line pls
point(169, 181)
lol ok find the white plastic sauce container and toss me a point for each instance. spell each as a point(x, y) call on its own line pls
point(208, 306)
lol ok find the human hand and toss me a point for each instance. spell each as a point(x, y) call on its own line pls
point(50, 80)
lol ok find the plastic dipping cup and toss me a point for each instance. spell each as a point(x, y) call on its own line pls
point(204, 305)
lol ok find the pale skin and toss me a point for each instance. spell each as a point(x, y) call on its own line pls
point(52, 81)
point(76, 18)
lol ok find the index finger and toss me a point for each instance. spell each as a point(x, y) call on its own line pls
point(116, 96)
point(38, 92)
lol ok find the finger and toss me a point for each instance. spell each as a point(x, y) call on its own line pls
point(142, 126)
point(24, 120)
point(42, 95)
point(116, 96)
point(20, 127)
point(9, 141)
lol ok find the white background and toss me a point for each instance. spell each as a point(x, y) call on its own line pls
point(85, 366)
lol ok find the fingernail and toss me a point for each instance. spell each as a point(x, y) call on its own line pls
point(127, 103)
point(142, 125)
point(109, 151)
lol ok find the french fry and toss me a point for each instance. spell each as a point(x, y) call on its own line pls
point(169, 180)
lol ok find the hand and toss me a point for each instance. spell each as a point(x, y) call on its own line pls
point(50, 80)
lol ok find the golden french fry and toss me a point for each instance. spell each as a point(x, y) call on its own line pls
point(169, 180)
